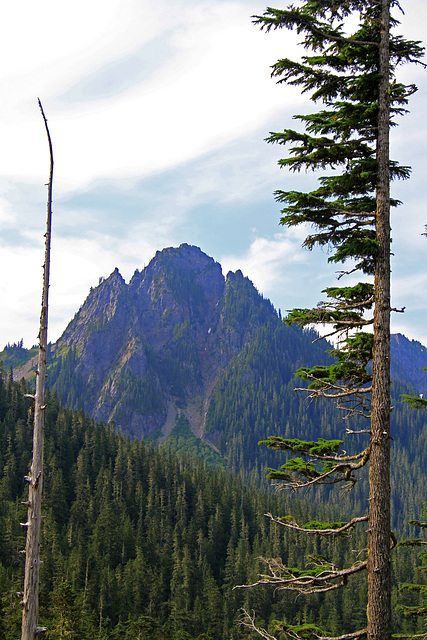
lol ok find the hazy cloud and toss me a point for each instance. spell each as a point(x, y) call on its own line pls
point(158, 113)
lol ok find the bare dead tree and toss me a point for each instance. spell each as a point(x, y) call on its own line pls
point(30, 602)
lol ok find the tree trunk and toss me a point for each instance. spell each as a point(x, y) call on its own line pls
point(379, 560)
point(30, 602)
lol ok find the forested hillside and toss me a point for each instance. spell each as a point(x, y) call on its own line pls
point(185, 356)
point(141, 543)
point(252, 402)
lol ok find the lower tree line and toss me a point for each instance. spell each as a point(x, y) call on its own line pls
point(141, 543)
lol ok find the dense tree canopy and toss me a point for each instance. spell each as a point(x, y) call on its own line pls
point(141, 543)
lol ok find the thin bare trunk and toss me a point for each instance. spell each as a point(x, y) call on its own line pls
point(379, 562)
point(30, 602)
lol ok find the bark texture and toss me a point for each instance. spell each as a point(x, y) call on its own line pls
point(30, 628)
point(379, 562)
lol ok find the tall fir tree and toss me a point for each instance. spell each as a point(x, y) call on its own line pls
point(351, 70)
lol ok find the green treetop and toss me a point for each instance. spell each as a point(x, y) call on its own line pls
point(349, 66)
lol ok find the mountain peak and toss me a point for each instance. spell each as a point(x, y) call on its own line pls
point(186, 256)
point(159, 343)
point(178, 340)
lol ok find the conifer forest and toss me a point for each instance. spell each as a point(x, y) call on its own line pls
point(198, 467)
point(140, 542)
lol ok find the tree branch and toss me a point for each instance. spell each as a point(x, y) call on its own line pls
point(322, 532)
point(315, 393)
point(249, 621)
point(282, 578)
point(343, 467)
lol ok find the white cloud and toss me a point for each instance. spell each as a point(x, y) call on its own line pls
point(212, 89)
point(6, 212)
point(20, 286)
point(76, 265)
point(179, 93)
point(51, 44)
point(270, 262)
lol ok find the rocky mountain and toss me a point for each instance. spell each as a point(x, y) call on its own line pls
point(141, 354)
point(184, 354)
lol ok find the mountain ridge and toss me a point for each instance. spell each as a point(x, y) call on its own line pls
point(154, 348)
point(147, 353)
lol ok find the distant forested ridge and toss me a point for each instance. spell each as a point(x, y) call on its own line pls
point(187, 356)
point(139, 542)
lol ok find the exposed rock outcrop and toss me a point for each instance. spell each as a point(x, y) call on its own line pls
point(135, 351)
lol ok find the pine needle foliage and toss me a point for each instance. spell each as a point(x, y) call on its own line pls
point(419, 610)
point(348, 68)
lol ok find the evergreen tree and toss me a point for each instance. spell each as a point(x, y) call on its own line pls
point(353, 75)
point(419, 610)
point(151, 544)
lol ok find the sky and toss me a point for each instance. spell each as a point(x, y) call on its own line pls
point(158, 113)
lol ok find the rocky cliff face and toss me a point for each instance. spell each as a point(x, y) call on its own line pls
point(139, 354)
point(179, 341)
